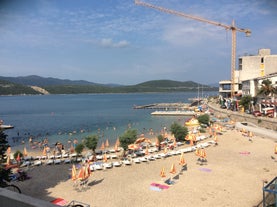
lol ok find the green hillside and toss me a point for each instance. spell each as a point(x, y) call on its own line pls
point(75, 87)
point(9, 88)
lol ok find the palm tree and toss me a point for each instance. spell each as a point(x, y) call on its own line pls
point(267, 89)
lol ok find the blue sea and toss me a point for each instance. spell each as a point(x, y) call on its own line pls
point(66, 117)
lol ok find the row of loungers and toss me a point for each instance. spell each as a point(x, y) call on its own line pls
point(69, 158)
point(107, 165)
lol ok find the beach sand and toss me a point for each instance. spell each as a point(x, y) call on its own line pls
point(233, 176)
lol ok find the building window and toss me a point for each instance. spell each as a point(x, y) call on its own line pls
point(240, 63)
point(262, 60)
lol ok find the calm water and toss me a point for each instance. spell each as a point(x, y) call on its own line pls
point(64, 117)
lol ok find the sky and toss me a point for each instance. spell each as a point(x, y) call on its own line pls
point(116, 41)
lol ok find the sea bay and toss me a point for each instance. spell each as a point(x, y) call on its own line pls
point(66, 117)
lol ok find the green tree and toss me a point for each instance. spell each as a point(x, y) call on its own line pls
point(79, 149)
point(160, 139)
point(129, 137)
point(204, 119)
point(179, 132)
point(4, 173)
point(91, 142)
point(267, 89)
point(246, 101)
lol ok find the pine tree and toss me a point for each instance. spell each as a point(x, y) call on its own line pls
point(4, 173)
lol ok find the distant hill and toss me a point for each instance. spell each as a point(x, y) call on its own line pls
point(9, 88)
point(34, 80)
point(60, 86)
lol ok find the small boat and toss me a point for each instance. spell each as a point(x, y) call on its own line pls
point(4, 126)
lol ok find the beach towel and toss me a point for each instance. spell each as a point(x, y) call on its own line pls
point(160, 186)
point(59, 202)
point(244, 153)
point(205, 169)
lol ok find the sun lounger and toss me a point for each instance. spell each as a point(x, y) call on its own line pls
point(65, 156)
point(151, 158)
point(73, 155)
point(57, 161)
point(143, 159)
point(136, 160)
point(99, 157)
point(37, 163)
point(108, 165)
point(116, 164)
point(126, 162)
point(67, 160)
point(114, 156)
point(49, 162)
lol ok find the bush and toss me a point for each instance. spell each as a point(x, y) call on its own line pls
point(204, 119)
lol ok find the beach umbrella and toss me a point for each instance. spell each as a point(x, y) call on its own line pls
point(73, 172)
point(157, 142)
point(162, 173)
point(25, 153)
point(9, 151)
point(215, 138)
point(140, 140)
point(146, 150)
point(102, 146)
point(182, 160)
point(81, 174)
point(203, 154)
point(174, 143)
point(8, 160)
point(44, 151)
point(18, 157)
point(105, 159)
point(107, 144)
point(115, 147)
point(197, 152)
point(173, 169)
point(132, 147)
point(87, 171)
point(165, 150)
point(117, 142)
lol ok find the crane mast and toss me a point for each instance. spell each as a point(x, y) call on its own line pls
point(231, 27)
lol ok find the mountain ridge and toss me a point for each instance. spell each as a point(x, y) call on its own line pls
point(41, 85)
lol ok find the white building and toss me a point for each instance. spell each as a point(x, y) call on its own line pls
point(252, 70)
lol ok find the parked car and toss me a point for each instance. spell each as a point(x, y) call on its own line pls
point(257, 113)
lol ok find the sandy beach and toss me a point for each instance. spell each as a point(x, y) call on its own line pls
point(233, 176)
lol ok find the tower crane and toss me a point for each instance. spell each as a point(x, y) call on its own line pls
point(231, 27)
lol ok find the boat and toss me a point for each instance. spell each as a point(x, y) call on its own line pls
point(173, 113)
point(192, 122)
point(4, 126)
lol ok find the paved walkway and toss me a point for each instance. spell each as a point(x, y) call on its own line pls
point(266, 133)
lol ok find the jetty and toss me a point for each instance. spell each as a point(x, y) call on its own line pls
point(173, 113)
point(165, 106)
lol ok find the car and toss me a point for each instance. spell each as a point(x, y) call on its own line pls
point(257, 113)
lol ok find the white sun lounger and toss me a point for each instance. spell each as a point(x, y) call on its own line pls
point(57, 161)
point(126, 162)
point(49, 162)
point(116, 164)
point(67, 160)
point(136, 160)
point(143, 159)
point(108, 165)
point(37, 163)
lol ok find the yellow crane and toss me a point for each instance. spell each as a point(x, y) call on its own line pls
point(231, 27)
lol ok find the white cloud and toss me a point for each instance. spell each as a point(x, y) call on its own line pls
point(111, 44)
